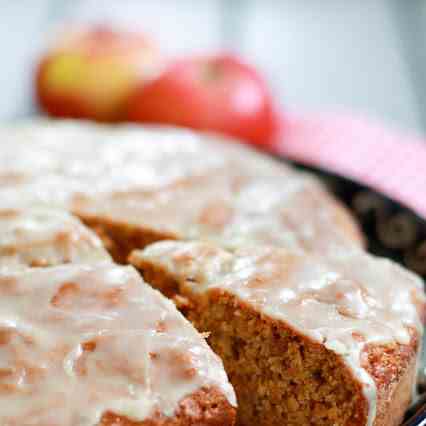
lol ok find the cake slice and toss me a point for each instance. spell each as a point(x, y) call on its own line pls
point(95, 346)
point(304, 340)
point(136, 185)
point(40, 236)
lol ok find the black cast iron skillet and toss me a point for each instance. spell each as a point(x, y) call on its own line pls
point(394, 231)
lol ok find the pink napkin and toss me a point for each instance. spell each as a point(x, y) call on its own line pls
point(392, 163)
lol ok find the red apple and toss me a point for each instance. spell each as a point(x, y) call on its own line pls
point(91, 72)
point(219, 93)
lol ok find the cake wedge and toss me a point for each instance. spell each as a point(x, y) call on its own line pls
point(305, 340)
point(95, 346)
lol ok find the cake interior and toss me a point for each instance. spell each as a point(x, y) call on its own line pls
point(206, 407)
point(121, 239)
point(280, 377)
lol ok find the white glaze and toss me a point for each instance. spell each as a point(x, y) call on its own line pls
point(333, 299)
point(172, 181)
point(147, 356)
point(46, 237)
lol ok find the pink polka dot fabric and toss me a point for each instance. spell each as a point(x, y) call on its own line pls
point(391, 163)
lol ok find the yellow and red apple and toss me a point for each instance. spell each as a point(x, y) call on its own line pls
point(91, 72)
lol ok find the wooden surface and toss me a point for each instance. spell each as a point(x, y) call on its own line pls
point(361, 55)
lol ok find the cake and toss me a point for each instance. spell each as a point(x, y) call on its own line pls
point(134, 186)
point(46, 237)
point(92, 345)
point(305, 339)
point(257, 254)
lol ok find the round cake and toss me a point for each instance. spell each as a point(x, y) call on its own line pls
point(311, 329)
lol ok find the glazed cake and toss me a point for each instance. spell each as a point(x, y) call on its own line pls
point(269, 238)
point(305, 340)
point(135, 186)
point(46, 237)
point(94, 345)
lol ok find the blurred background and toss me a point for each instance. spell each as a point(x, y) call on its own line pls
point(366, 56)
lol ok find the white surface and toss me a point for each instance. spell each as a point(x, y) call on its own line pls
point(333, 54)
point(21, 27)
point(178, 25)
point(328, 54)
